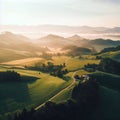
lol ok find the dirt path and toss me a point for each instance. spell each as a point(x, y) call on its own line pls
point(73, 82)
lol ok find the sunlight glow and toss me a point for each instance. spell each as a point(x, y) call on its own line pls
point(62, 12)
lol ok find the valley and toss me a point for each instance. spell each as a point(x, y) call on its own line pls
point(48, 68)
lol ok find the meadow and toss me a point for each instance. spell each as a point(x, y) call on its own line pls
point(37, 87)
point(114, 55)
point(33, 90)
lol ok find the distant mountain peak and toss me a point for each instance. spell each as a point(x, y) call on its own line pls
point(75, 37)
point(52, 36)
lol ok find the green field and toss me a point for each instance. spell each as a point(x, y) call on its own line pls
point(37, 88)
point(66, 94)
point(32, 91)
point(72, 63)
point(76, 63)
point(82, 72)
point(108, 80)
point(114, 55)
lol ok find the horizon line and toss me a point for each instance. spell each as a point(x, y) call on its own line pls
point(57, 25)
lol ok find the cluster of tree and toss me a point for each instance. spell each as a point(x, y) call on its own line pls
point(85, 98)
point(9, 76)
point(55, 70)
point(91, 67)
point(105, 42)
point(98, 57)
point(105, 65)
point(77, 77)
point(59, 73)
point(77, 51)
point(110, 49)
point(110, 66)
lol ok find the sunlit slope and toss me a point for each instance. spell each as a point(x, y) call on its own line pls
point(23, 62)
point(66, 95)
point(78, 63)
point(14, 47)
point(34, 90)
point(114, 55)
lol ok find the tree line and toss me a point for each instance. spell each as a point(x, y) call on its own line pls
point(106, 65)
point(52, 69)
point(8, 76)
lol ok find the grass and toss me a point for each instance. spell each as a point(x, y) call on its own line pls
point(9, 55)
point(59, 59)
point(35, 89)
point(72, 64)
point(67, 93)
point(38, 88)
point(64, 96)
point(82, 72)
point(114, 55)
point(23, 62)
point(76, 63)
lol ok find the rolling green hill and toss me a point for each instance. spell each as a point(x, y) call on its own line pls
point(108, 80)
point(114, 55)
point(32, 91)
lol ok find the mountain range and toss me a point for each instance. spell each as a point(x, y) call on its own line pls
point(58, 29)
point(15, 46)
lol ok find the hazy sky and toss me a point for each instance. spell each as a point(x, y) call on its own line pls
point(60, 12)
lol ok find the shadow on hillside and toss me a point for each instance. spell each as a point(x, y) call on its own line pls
point(29, 79)
point(15, 95)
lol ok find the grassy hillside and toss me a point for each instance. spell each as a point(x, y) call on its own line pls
point(76, 63)
point(114, 55)
point(108, 80)
point(14, 47)
point(34, 90)
point(66, 94)
point(26, 61)
point(109, 105)
point(9, 54)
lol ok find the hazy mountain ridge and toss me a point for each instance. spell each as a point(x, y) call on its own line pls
point(18, 46)
point(104, 42)
point(59, 28)
point(14, 47)
point(76, 40)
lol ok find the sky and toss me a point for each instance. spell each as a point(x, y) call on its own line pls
point(105, 13)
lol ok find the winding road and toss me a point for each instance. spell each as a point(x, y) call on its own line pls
point(73, 82)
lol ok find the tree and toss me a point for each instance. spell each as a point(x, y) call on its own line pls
point(9, 76)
